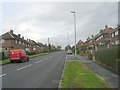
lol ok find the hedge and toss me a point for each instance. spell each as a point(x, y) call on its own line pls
point(109, 57)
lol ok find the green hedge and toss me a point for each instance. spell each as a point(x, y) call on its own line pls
point(30, 53)
point(90, 56)
point(109, 57)
point(3, 56)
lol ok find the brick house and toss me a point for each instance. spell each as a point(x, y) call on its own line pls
point(9, 40)
point(115, 36)
point(34, 46)
point(103, 38)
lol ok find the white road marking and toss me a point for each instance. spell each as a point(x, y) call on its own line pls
point(3, 75)
point(100, 77)
point(45, 58)
point(39, 61)
point(50, 56)
point(24, 67)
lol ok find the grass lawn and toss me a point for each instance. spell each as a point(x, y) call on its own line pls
point(77, 75)
point(5, 61)
point(73, 58)
point(32, 56)
point(41, 54)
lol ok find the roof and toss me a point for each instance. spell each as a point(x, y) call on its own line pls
point(7, 36)
point(107, 30)
point(40, 44)
point(80, 42)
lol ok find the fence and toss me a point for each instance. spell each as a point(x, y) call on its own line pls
point(109, 57)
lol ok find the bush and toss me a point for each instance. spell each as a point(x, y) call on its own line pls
point(31, 53)
point(108, 56)
point(90, 56)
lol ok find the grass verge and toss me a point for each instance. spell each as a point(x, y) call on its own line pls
point(73, 58)
point(32, 56)
point(77, 75)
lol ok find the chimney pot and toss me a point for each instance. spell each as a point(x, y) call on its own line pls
point(19, 35)
point(11, 31)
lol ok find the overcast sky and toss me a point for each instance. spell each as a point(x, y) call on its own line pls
point(41, 20)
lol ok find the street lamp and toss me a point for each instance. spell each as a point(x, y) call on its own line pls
point(73, 12)
point(48, 45)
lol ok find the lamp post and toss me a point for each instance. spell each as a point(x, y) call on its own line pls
point(48, 45)
point(73, 12)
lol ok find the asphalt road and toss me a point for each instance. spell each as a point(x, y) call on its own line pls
point(40, 72)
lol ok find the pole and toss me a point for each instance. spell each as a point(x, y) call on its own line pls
point(75, 32)
point(48, 45)
point(68, 40)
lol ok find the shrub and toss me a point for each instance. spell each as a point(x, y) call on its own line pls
point(30, 53)
point(90, 56)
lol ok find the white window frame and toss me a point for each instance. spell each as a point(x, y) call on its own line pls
point(19, 42)
point(112, 35)
point(2, 41)
point(116, 33)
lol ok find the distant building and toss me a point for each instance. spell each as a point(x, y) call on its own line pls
point(9, 40)
point(103, 38)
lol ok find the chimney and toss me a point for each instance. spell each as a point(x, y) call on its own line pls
point(27, 39)
point(106, 26)
point(92, 36)
point(22, 37)
point(11, 31)
point(101, 31)
point(19, 35)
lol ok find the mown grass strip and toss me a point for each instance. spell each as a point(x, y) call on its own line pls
point(77, 75)
point(5, 61)
point(73, 58)
point(32, 56)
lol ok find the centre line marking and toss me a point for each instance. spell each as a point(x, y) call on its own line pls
point(24, 67)
point(39, 61)
point(3, 75)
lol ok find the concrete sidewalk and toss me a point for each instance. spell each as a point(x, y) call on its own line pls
point(106, 74)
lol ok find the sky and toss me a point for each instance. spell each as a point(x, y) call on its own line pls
point(42, 20)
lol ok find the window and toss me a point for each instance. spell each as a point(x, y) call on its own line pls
point(19, 42)
point(116, 33)
point(16, 41)
point(116, 42)
point(112, 34)
point(2, 41)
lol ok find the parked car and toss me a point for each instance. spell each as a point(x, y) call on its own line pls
point(69, 52)
point(18, 55)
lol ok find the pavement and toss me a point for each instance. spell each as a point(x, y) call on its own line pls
point(101, 71)
point(40, 72)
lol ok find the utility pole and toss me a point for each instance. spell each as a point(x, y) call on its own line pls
point(68, 40)
point(75, 32)
point(48, 45)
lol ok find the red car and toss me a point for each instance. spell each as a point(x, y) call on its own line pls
point(18, 55)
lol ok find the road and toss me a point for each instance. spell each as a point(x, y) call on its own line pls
point(40, 72)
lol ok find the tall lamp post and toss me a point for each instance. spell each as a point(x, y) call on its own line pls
point(48, 45)
point(73, 12)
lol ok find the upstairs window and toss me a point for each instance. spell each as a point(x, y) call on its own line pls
point(112, 35)
point(16, 41)
point(2, 41)
point(19, 42)
point(116, 33)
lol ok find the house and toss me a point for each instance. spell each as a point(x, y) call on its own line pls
point(103, 38)
point(9, 40)
point(80, 42)
point(115, 36)
point(34, 46)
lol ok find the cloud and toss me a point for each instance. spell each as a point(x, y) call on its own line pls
point(41, 20)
